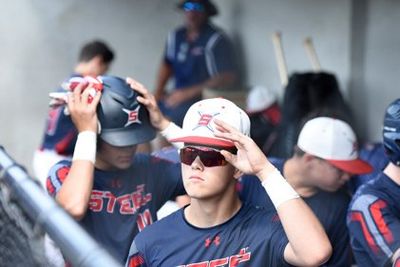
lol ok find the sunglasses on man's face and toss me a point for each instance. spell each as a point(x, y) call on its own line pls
point(191, 6)
point(210, 157)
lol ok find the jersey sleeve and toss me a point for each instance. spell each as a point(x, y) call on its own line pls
point(220, 55)
point(168, 179)
point(56, 177)
point(374, 229)
point(135, 257)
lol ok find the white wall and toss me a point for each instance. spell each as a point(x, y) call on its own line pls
point(40, 41)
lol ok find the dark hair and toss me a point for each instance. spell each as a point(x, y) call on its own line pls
point(96, 48)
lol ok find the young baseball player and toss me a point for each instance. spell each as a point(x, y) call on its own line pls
point(216, 228)
point(374, 214)
point(60, 133)
point(325, 157)
point(114, 192)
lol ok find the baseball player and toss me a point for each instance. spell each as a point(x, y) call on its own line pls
point(374, 214)
point(324, 160)
point(197, 55)
point(60, 134)
point(112, 191)
point(217, 229)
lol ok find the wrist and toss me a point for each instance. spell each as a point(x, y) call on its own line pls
point(278, 189)
point(85, 146)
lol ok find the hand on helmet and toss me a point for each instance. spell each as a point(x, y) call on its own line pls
point(147, 99)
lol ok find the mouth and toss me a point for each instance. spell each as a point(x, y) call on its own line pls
point(196, 178)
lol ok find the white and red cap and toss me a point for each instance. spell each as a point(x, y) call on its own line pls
point(333, 140)
point(198, 124)
point(259, 99)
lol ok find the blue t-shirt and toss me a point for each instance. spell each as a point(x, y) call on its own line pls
point(195, 62)
point(252, 237)
point(329, 207)
point(123, 202)
point(374, 222)
point(60, 133)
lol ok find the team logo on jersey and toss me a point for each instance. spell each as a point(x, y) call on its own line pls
point(205, 120)
point(133, 116)
point(216, 241)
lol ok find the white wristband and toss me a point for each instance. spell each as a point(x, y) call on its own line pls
point(278, 189)
point(171, 132)
point(85, 147)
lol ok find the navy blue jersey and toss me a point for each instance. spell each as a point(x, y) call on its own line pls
point(253, 237)
point(374, 221)
point(374, 154)
point(195, 62)
point(123, 202)
point(60, 134)
point(329, 208)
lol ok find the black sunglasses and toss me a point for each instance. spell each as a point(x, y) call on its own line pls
point(210, 157)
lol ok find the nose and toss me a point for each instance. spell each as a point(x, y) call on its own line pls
point(345, 176)
point(197, 164)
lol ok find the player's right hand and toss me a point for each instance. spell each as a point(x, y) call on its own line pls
point(83, 111)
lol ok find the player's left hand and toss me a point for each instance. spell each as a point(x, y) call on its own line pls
point(157, 119)
point(249, 158)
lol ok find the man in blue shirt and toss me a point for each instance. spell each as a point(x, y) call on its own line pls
point(113, 192)
point(374, 214)
point(216, 228)
point(60, 133)
point(325, 157)
point(197, 56)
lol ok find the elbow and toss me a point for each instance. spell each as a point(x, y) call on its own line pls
point(76, 209)
point(319, 256)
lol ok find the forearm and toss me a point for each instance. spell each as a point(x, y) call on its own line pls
point(75, 192)
point(308, 243)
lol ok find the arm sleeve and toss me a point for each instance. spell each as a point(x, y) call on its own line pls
point(135, 257)
point(374, 229)
point(169, 180)
point(57, 174)
point(220, 55)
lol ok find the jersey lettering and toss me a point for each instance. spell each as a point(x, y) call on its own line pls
point(232, 261)
point(144, 219)
point(128, 203)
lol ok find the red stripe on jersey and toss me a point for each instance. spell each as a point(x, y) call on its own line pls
point(62, 173)
point(376, 211)
point(357, 216)
point(62, 146)
point(136, 261)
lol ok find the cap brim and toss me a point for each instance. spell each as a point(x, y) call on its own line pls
point(200, 140)
point(127, 137)
point(356, 166)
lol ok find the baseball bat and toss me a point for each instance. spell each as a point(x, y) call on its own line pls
point(312, 55)
point(280, 57)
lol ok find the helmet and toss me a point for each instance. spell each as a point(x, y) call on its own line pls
point(391, 132)
point(123, 120)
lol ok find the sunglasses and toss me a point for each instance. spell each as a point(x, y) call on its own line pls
point(210, 157)
point(190, 6)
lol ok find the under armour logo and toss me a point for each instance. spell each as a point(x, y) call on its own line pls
point(205, 120)
point(216, 241)
point(133, 116)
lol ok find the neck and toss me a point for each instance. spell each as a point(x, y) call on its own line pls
point(393, 172)
point(83, 69)
point(211, 212)
point(294, 172)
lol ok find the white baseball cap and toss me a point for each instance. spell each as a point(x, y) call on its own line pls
point(198, 124)
point(333, 140)
point(259, 99)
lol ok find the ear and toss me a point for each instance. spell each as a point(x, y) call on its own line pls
point(237, 173)
point(307, 157)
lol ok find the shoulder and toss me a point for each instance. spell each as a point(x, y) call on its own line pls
point(57, 174)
